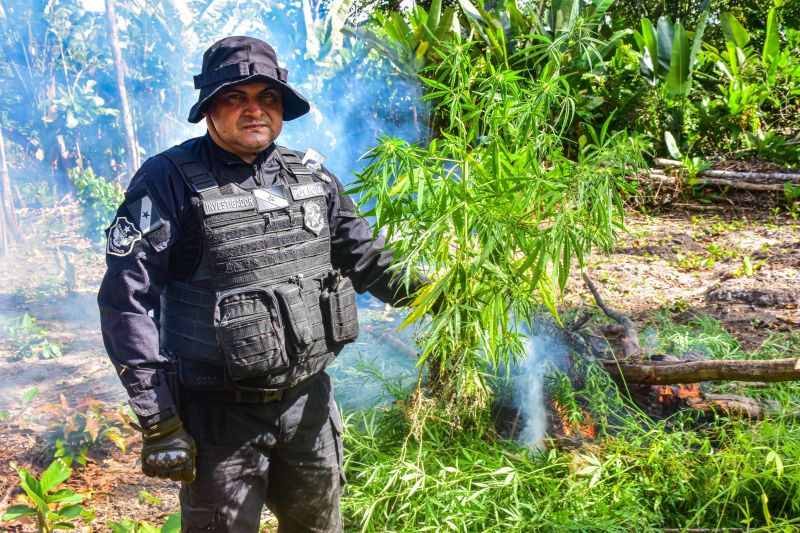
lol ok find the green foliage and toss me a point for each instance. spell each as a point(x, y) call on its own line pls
point(638, 475)
point(647, 477)
point(756, 91)
point(81, 107)
point(31, 341)
point(700, 334)
point(494, 208)
point(667, 54)
point(412, 41)
point(171, 525)
point(53, 509)
point(78, 432)
point(29, 396)
point(22, 415)
point(325, 36)
point(98, 199)
point(791, 195)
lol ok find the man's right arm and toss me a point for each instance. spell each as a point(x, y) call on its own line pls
point(137, 259)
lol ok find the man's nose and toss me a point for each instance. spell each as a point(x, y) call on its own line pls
point(253, 107)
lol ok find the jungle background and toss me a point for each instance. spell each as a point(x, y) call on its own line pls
point(505, 148)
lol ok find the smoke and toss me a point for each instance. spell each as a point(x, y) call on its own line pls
point(544, 352)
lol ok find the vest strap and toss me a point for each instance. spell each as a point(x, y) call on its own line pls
point(194, 173)
point(292, 163)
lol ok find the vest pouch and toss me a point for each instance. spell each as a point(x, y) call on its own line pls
point(297, 325)
point(339, 306)
point(250, 333)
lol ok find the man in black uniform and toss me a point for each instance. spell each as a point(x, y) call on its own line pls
point(230, 287)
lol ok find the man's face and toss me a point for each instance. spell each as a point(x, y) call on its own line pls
point(245, 119)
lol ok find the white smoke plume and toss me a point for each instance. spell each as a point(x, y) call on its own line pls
point(543, 352)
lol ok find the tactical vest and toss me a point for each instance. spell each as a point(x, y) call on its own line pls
point(267, 309)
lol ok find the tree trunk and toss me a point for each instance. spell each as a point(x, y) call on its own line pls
point(9, 230)
point(672, 372)
point(131, 147)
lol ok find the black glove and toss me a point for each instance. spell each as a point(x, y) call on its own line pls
point(168, 451)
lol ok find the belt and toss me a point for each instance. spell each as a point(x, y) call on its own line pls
point(251, 396)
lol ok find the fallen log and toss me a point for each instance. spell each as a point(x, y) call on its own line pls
point(731, 184)
point(780, 177)
point(731, 404)
point(673, 372)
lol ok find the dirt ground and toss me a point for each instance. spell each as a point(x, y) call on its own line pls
point(738, 264)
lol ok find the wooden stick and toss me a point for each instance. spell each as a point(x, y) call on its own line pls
point(630, 335)
point(515, 424)
point(673, 372)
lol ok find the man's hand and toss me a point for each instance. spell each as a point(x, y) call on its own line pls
point(168, 451)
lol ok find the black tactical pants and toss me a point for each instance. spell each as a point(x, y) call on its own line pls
point(286, 454)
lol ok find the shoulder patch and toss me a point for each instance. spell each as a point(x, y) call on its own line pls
point(146, 216)
point(122, 235)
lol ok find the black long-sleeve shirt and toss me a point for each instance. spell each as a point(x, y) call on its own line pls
point(167, 244)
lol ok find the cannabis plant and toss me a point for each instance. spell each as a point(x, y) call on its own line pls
point(493, 210)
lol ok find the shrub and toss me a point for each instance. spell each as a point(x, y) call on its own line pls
point(29, 340)
point(98, 199)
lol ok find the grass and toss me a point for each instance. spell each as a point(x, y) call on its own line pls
point(638, 475)
point(730, 475)
point(701, 334)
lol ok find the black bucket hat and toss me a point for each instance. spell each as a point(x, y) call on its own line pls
point(235, 60)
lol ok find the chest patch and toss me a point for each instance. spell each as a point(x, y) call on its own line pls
point(308, 190)
point(228, 204)
point(122, 235)
point(313, 220)
point(271, 198)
